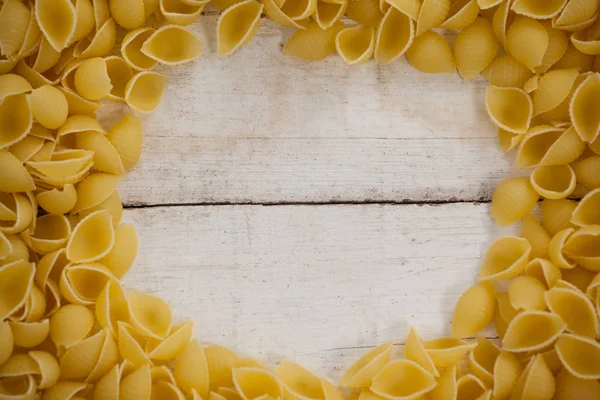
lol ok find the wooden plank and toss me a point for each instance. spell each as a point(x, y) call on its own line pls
point(317, 284)
point(261, 127)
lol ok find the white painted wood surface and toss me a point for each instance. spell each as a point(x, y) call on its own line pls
point(261, 127)
point(316, 284)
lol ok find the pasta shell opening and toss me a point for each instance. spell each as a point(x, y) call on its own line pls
point(536, 235)
point(506, 258)
point(92, 238)
point(100, 44)
point(402, 378)
point(431, 15)
point(16, 281)
point(526, 293)
point(327, 14)
point(579, 355)
point(395, 34)
point(83, 283)
point(236, 27)
point(532, 331)
point(554, 182)
point(509, 108)
point(544, 271)
point(431, 53)
point(462, 13)
point(120, 73)
point(575, 309)
point(583, 246)
point(356, 44)
point(57, 20)
point(179, 13)
point(150, 314)
point(537, 9)
point(415, 351)
point(585, 109)
point(15, 119)
point(131, 49)
point(299, 381)
point(553, 88)
point(507, 370)
point(547, 145)
point(483, 359)
point(586, 212)
point(173, 45)
point(313, 43)
point(536, 380)
point(220, 362)
point(144, 91)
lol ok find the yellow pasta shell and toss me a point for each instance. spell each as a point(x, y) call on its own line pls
point(547, 145)
point(573, 58)
point(587, 171)
point(556, 247)
point(512, 200)
point(131, 345)
point(554, 182)
point(527, 41)
point(532, 331)
point(50, 234)
point(569, 387)
point(94, 189)
point(112, 306)
point(29, 334)
point(588, 41)
point(108, 358)
point(365, 12)
point(356, 44)
point(505, 71)
point(361, 372)
point(553, 88)
point(462, 14)
point(170, 347)
point(575, 309)
point(220, 362)
point(78, 105)
point(402, 379)
point(7, 343)
point(506, 258)
point(48, 367)
point(313, 43)
point(106, 158)
point(16, 178)
point(15, 119)
point(58, 201)
point(99, 44)
point(77, 123)
point(558, 44)
point(586, 212)
point(19, 388)
point(85, 22)
point(576, 15)
point(57, 20)
point(395, 35)
point(298, 382)
point(447, 351)
point(415, 351)
point(583, 246)
point(50, 266)
point(254, 383)
point(12, 84)
point(174, 45)
point(178, 13)
point(62, 166)
point(474, 310)
point(431, 15)
point(544, 271)
point(150, 315)
point(527, 293)
point(538, 9)
point(536, 381)
point(129, 14)
point(579, 355)
point(475, 48)
point(136, 385)
point(93, 238)
point(469, 386)
point(22, 208)
point(509, 108)
point(16, 281)
point(119, 73)
point(70, 324)
point(274, 12)
point(431, 53)
point(507, 370)
point(108, 386)
point(236, 26)
point(483, 358)
point(14, 21)
point(446, 385)
point(113, 205)
point(25, 149)
point(407, 7)
point(536, 235)
point(584, 108)
point(81, 358)
point(126, 137)
point(64, 390)
point(191, 370)
point(327, 14)
point(83, 283)
point(144, 91)
point(91, 79)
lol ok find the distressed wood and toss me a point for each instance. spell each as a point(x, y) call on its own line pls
point(316, 284)
point(261, 127)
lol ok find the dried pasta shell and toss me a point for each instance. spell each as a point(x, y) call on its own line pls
point(474, 310)
point(48, 368)
point(553, 88)
point(91, 79)
point(19, 365)
point(15, 119)
point(532, 331)
point(356, 44)
point(547, 145)
point(537, 9)
point(507, 370)
point(483, 358)
point(505, 71)
point(129, 14)
point(220, 362)
point(462, 14)
point(274, 12)
point(50, 234)
point(114, 206)
point(62, 165)
point(579, 355)
point(573, 58)
point(78, 105)
point(178, 13)
point(191, 372)
point(362, 371)
point(431, 53)
point(527, 41)
point(536, 381)
point(99, 44)
point(70, 324)
point(527, 293)
point(575, 309)
point(29, 334)
point(556, 247)
point(81, 358)
point(475, 48)
point(126, 137)
point(569, 387)
point(85, 21)
point(506, 258)
point(469, 386)
point(500, 324)
point(25, 149)
point(173, 45)
point(131, 345)
point(587, 172)
point(509, 108)
point(512, 200)
point(544, 271)
point(20, 180)
point(112, 306)
point(584, 109)
point(298, 382)
point(236, 26)
point(431, 15)
point(144, 91)
point(93, 238)
point(415, 351)
point(136, 385)
point(108, 386)
point(83, 283)
point(583, 247)
point(447, 351)
point(365, 12)
point(150, 315)
point(16, 281)
point(395, 35)
point(256, 382)
point(313, 43)
point(49, 107)
point(11, 84)
point(131, 49)
point(558, 44)
point(50, 266)
point(488, 4)
point(167, 391)
point(576, 15)
point(57, 20)
point(18, 388)
point(119, 73)
point(108, 358)
point(22, 208)
point(14, 23)
point(554, 182)
point(446, 385)
point(327, 14)
point(58, 201)
point(402, 379)
point(170, 347)
point(586, 213)
point(536, 235)
point(106, 158)
point(31, 41)
point(94, 189)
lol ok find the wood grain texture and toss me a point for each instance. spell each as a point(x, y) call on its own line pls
point(316, 284)
point(261, 127)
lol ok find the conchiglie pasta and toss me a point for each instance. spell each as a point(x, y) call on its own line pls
point(553, 88)
point(81, 358)
point(191, 371)
point(544, 271)
point(538, 9)
point(586, 212)
point(537, 381)
point(579, 355)
point(461, 14)
point(51, 233)
point(20, 180)
point(447, 351)
point(100, 44)
point(178, 12)
point(137, 384)
point(507, 370)
point(70, 324)
point(475, 48)
point(83, 283)
point(173, 45)
point(527, 41)
point(474, 310)
point(431, 15)
point(569, 387)
point(554, 182)
point(575, 309)
point(547, 145)
point(583, 246)
point(327, 14)
point(113, 205)
point(469, 386)
point(395, 35)
point(93, 238)
point(236, 26)
point(14, 20)
point(356, 44)
point(85, 23)
point(526, 293)
point(91, 79)
point(29, 334)
point(585, 108)
point(16, 281)
point(402, 379)
point(536, 235)
point(298, 382)
point(532, 331)
point(144, 91)
point(415, 351)
point(58, 201)
point(15, 119)
point(365, 12)
point(120, 73)
point(106, 158)
point(587, 171)
point(170, 347)
point(94, 189)
point(128, 13)
point(512, 200)
point(505, 71)
point(483, 358)
point(57, 20)
point(362, 371)
point(150, 314)
point(131, 49)
point(431, 53)
point(556, 214)
point(509, 108)
point(131, 345)
point(112, 306)
point(446, 385)
point(313, 43)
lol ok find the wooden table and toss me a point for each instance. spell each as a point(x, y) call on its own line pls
point(311, 211)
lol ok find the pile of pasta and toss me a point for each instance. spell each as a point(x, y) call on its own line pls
point(68, 328)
